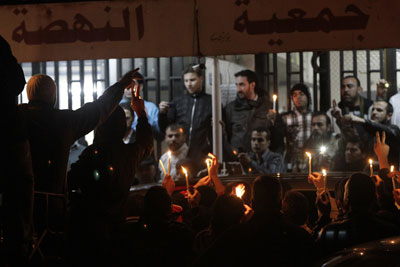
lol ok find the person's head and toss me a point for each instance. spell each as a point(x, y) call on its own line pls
point(175, 136)
point(227, 211)
point(41, 88)
point(247, 84)
point(113, 129)
point(382, 111)
point(300, 96)
point(321, 124)
point(260, 140)
point(147, 171)
point(295, 207)
point(359, 194)
point(156, 206)
point(193, 79)
point(266, 195)
point(140, 79)
point(354, 152)
point(129, 114)
point(208, 195)
point(350, 89)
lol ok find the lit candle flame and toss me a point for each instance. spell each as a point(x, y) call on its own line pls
point(274, 97)
point(240, 190)
point(370, 161)
point(323, 172)
point(392, 168)
point(234, 152)
point(186, 177)
point(308, 155)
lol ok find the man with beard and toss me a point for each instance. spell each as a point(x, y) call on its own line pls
point(250, 109)
point(297, 125)
point(353, 158)
point(323, 143)
point(261, 160)
point(380, 121)
point(175, 138)
point(193, 111)
point(351, 103)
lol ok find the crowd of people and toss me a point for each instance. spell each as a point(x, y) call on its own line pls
point(79, 212)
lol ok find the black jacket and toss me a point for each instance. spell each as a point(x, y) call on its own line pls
point(241, 116)
point(194, 113)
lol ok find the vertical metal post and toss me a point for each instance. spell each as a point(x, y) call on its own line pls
point(216, 111)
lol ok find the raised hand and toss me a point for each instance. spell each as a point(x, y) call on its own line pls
point(382, 150)
point(127, 79)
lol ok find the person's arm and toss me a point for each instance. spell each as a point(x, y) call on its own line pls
point(382, 150)
point(90, 115)
point(144, 134)
point(219, 186)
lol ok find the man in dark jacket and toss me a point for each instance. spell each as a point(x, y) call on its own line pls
point(51, 132)
point(250, 109)
point(194, 112)
point(100, 181)
point(16, 182)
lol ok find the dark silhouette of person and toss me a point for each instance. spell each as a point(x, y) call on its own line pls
point(16, 183)
point(266, 237)
point(100, 183)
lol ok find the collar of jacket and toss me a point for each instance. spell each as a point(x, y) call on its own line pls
point(244, 103)
point(196, 95)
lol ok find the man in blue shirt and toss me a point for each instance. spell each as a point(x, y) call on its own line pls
point(260, 159)
point(151, 110)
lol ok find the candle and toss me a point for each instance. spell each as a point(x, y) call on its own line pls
point(309, 162)
point(162, 166)
point(392, 168)
point(274, 97)
point(394, 182)
point(186, 177)
point(371, 170)
point(208, 162)
point(324, 176)
point(169, 161)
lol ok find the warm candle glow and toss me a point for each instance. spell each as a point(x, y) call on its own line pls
point(371, 170)
point(309, 162)
point(211, 155)
point(324, 176)
point(240, 190)
point(186, 177)
point(234, 152)
point(274, 97)
point(208, 162)
point(392, 168)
